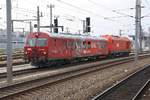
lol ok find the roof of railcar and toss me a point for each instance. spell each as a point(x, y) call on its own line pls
point(73, 36)
point(116, 37)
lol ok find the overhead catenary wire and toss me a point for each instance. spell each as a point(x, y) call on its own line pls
point(83, 11)
point(109, 9)
point(90, 12)
point(71, 5)
point(80, 9)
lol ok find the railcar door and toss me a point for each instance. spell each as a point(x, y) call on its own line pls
point(70, 47)
point(78, 46)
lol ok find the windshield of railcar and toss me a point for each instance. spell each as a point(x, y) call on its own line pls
point(37, 42)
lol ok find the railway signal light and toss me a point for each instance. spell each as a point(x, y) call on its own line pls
point(56, 22)
point(56, 25)
point(35, 25)
point(88, 21)
point(55, 30)
point(88, 28)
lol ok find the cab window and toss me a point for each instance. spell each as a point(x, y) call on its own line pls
point(41, 42)
point(37, 42)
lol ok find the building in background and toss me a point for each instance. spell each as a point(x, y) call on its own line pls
point(17, 37)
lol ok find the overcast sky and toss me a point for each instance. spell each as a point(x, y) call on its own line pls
point(103, 19)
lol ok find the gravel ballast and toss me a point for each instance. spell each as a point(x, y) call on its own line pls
point(84, 87)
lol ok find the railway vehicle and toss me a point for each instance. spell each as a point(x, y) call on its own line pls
point(49, 48)
point(118, 46)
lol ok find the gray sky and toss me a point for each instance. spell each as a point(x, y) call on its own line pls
point(78, 10)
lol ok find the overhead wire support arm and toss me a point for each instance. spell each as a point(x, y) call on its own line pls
point(123, 14)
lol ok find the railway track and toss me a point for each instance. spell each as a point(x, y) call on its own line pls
point(20, 72)
point(49, 77)
point(34, 69)
point(129, 88)
point(17, 59)
point(15, 62)
point(141, 95)
point(15, 56)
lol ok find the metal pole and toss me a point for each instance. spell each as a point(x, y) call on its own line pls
point(12, 25)
point(51, 16)
point(30, 26)
point(137, 27)
point(83, 26)
point(149, 38)
point(140, 29)
point(67, 29)
point(9, 42)
point(38, 19)
point(140, 39)
point(23, 30)
point(120, 32)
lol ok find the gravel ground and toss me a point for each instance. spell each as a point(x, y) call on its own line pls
point(146, 96)
point(84, 87)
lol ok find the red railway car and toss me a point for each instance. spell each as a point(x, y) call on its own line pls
point(51, 47)
point(118, 46)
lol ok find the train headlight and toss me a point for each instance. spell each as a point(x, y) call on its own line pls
point(29, 49)
point(44, 53)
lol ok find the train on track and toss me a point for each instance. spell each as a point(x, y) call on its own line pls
point(45, 48)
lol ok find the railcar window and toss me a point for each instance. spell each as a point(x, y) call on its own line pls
point(84, 44)
point(89, 45)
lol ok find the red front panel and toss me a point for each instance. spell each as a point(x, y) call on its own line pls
point(36, 46)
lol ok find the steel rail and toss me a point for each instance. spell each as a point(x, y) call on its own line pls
point(142, 91)
point(117, 91)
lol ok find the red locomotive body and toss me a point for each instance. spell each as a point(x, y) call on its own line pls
point(118, 45)
point(48, 48)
